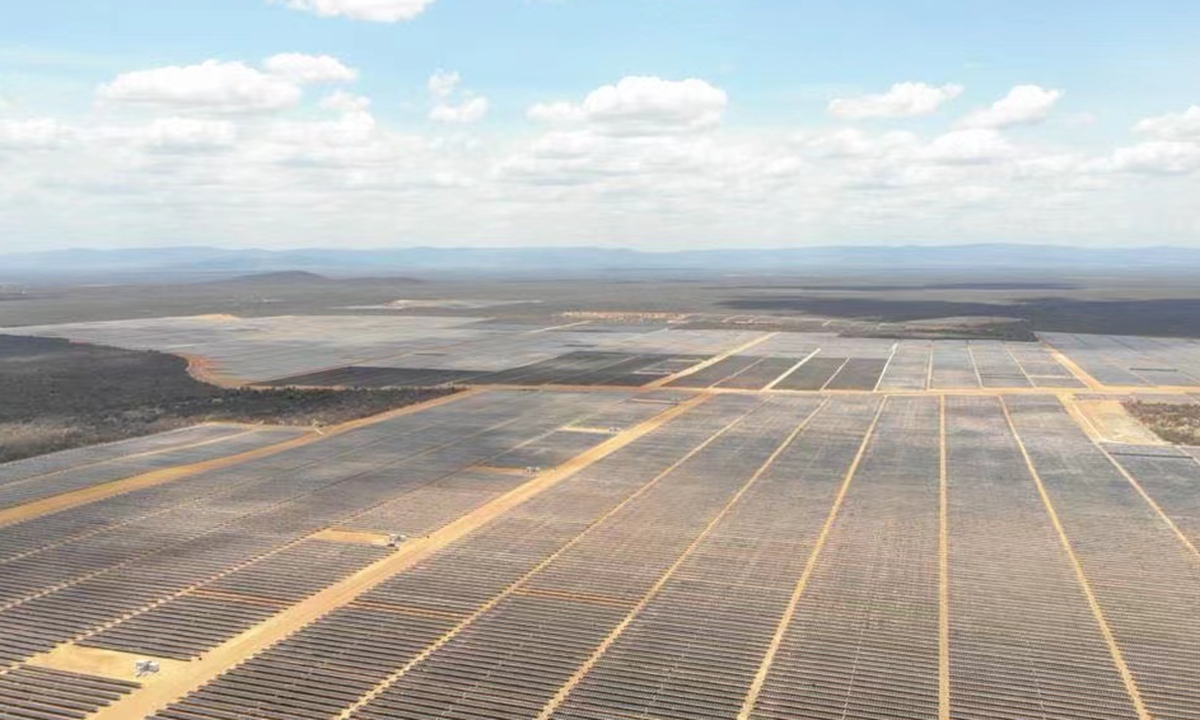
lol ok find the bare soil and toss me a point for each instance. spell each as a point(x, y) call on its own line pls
point(1175, 423)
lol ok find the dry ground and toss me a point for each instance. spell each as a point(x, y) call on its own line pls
point(1179, 424)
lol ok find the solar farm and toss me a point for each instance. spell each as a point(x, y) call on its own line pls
point(617, 521)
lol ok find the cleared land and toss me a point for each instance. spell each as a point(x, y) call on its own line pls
point(422, 351)
point(680, 554)
point(1173, 422)
point(632, 514)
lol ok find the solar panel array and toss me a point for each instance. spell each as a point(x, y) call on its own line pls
point(837, 555)
point(863, 637)
point(1013, 589)
point(35, 693)
point(46, 476)
point(1134, 361)
point(71, 574)
point(411, 350)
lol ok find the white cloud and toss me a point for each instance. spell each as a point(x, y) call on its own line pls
point(854, 143)
point(898, 149)
point(1158, 158)
point(344, 102)
point(1024, 105)
point(973, 194)
point(582, 157)
point(1050, 166)
point(355, 128)
point(973, 146)
point(442, 84)
point(642, 106)
point(211, 86)
point(385, 11)
point(557, 112)
point(470, 111)
point(301, 68)
point(644, 160)
point(1173, 126)
point(39, 133)
point(178, 134)
point(902, 100)
point(324, 140)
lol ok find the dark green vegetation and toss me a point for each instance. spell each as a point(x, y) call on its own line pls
point(1175, 423)
point(57, 395)
point(1161, 317)
point(926, 305)
point(959, 328)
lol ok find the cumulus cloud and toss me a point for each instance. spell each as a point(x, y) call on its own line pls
point(642, 106)
point(1173, 126)
point(615, 163)
point(902, 100)
point(384, 11)
point(301, 138)
point(853, 143)
point(1024, 105)
point(642, 159)
point(974, 146)
point(469, 111)
point(557, 112)
point(442, 84)
point(36, 133)
point(211, 86)
point(444, 87)
point(344, 102)
point(302, 68)
point(896, 148)
point(1157, 158)
point(1050, 166)
point(177, 134)
point(33, 133)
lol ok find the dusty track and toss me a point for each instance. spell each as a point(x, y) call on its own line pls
point(1118, 657)
point(152, 697)
point(200, 586)
point(518, 585)
point(83, 496)
point(132, 456)
point(1183, 538)
point(1115, 391)
point(943, 569)
point(1107, 420)
point(182, 678)
point(662, 382)
point(810, 567)
point(637, 609)
point(1075, 368)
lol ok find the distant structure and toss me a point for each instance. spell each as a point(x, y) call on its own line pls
point(146, 667)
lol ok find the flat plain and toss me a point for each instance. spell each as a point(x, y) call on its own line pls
point(618, 518)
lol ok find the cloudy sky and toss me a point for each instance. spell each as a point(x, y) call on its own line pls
point(656, 124)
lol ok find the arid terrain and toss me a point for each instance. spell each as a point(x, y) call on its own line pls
point(681, 500)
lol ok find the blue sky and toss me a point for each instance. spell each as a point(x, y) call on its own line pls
point(641, 123)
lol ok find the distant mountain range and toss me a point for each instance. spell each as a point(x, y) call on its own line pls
point(206, 263)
